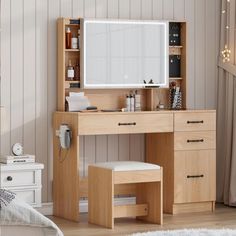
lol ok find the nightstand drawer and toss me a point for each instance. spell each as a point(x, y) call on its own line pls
point(124, 123)
point(195, 140)
point(194, 176)
point(18, 178)
point(30, 196)
point(194, 121)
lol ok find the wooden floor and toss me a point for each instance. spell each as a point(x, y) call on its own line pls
point(223, 217)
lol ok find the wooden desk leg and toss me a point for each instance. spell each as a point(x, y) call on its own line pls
point(66, 170)
point(152, 194)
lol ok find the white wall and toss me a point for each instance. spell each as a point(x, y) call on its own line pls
point(28, 68)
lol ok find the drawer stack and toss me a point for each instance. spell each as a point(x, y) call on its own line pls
point(188, 158)
point(24, 180)
point(194, 161)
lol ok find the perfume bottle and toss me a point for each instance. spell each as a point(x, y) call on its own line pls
point(70, 71)
point(68, 38)
point(74, 42)
point(77, 71)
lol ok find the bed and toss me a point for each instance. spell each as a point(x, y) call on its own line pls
point(19, 218)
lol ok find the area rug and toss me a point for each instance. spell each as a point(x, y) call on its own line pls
point(190, 232)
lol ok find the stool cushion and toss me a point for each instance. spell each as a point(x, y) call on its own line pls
point(126, 165)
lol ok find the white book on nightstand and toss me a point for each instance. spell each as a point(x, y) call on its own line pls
point(8, 159)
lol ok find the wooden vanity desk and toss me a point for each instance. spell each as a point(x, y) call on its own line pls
point(183, 142)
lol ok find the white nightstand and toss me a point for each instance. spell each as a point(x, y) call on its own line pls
point(24, 180)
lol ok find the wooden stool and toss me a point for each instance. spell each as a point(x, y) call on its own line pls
point(101, 180)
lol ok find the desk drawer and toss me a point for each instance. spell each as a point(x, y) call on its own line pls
point(194, 176)
point(195, 140)
point(194, 121)
point(125, 123)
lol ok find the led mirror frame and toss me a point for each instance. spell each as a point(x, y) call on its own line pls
point(107, 86)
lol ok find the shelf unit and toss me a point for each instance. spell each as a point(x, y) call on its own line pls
point(64, 55)
point(113, 98)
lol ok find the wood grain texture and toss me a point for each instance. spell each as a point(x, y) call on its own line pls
point(100, 123)
point(139, 176)
point(130, 210)
point(101, 197)
point(194, 163)
point(101, 182)
point(193, 207)
point(195, 140)
point(163, 145)
point(223, 217)
point(66, 170)
point(152, 194)
point(194, 121)
point(13, 91)
point(119, 189)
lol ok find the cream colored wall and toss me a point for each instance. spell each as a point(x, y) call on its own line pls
point(28, 68)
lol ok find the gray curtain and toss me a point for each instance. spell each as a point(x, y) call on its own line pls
point(226, 113)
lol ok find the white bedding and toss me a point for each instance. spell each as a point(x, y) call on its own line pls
point(18, 213)
point(26, 231)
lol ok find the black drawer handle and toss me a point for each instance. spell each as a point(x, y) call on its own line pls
point(195, 140)
point(9, 178)
point(132, 123)
point(195, 176)
point(195, 122)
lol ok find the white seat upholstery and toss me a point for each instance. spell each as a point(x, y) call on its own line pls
point(127, 165)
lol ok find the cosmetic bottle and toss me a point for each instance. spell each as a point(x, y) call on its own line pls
point(70, 71)
point(132, 102)
point(128, 102)
point(74, 42)
point(68, 38)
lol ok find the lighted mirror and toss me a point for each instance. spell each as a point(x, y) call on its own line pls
point(124, 54)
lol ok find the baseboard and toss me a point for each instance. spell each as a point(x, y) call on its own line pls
point(47, 208)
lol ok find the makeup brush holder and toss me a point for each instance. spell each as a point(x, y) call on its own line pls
point(175, 99)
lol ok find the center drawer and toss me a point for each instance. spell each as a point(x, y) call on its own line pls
point(124, 123)
point(195, 140)
point(17, 178)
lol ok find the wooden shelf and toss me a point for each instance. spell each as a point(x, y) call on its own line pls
point(71, 50)
point(175, 46)
point(175, 78)
point(68, 82)
point(73, 25)
point(114, 98)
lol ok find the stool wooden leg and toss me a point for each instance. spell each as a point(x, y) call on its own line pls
point(100, 196)
point(151, 193)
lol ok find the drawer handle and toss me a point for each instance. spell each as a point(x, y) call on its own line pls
point(195, 140)
point(132, 123)
point(195, 176)
point(195, 122)
point(9, 178)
